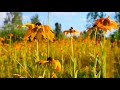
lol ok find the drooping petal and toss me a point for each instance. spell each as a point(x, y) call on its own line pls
point(105, 24)
point(57, 65)
point(43, 61)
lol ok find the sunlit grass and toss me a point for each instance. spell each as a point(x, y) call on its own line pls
point(21, 59)
point(71, 57)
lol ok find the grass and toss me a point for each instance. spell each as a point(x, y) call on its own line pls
point(84, 60)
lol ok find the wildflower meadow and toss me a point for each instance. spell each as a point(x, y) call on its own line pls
point(39, 54)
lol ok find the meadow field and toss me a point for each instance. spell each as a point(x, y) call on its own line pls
point(68, 57)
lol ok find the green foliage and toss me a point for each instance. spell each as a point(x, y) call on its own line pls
point(12, 20)
point(35, 19)
point(57, 29)
point(115, 36)
point(117, 17)
point(17, 34)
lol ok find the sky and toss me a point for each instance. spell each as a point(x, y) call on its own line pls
point(77, 20)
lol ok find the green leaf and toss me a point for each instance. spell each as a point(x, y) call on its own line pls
point(75, 75)
point(104, 53)
point(98, 75)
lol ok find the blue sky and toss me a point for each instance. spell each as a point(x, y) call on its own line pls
point(77, 20)
point(67, 19)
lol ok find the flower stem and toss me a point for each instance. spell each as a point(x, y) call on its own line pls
point(94, 68)
point(104, 59)
point(37, 54)
point(47, 48)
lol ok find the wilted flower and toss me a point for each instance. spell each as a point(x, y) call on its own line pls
point(56, 63)
point(37, 31)
point(43, 61)
point(105, 24)
point(71, 31)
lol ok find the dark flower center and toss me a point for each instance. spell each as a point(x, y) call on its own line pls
point(49, 59)
point(106, 22)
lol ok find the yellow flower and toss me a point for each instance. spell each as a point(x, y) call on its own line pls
point(2, 39)
point(71, 31)
point(46, 33)
point(105, 24)
point(43, 61)
point(29, 31)
point(57, 65)
point(37, 31)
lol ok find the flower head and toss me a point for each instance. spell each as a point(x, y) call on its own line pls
point(105, 24)
point(43, 61)
point(56, 63)
point(37, 31)
point(71, 31)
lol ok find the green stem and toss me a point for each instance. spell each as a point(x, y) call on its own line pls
point(72, 48)
point(37, 53)
point(24, 69)
point(94, 68)
point(48, 49)
point(104, 59)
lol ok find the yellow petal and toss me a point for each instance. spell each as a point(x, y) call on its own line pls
point(57, 65)
point(43, 61)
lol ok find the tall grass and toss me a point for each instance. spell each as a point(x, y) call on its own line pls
point(85, 63)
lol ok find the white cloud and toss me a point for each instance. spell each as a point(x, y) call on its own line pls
point(64, 13)
point(2, 16)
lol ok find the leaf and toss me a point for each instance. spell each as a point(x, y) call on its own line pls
point(98, 60)
point(98, 75)
point(103, 53)
point(30, 69)
point(75, 75)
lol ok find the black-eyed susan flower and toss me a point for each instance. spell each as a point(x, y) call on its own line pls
point(43, 61)
point(56, 63)
point(71, 31)
point(38, 31)
point(105, 24)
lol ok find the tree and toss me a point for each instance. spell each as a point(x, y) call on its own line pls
point(57, 29)
point(12, 20)
point(116, 35)
point(35, 19)
point(117, 17)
